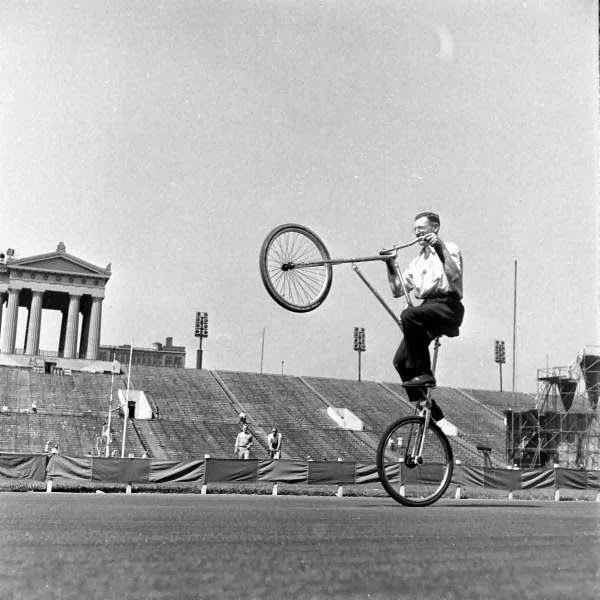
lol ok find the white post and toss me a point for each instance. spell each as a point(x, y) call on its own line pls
point(128, 489)
point(510, 495)
point(457, 493)
point(340, 491)
point(203, 489)
point(112, 381)
point(49, 486)
point(557, 495)
point(126, 411)
point(274, 489)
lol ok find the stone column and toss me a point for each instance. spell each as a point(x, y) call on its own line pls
point(63, 332)
point(32, 345)
point(93, 342)
point(2, 299)
point(10, 327)
point(86, 309)
point(72, 326)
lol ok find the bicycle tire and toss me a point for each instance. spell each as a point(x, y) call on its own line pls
point(384, 464)
point(297, 289)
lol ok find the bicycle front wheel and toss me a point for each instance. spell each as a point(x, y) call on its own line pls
point(296, 287)
point(409, 477)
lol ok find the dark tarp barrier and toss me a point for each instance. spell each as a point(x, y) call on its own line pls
point(23, 466)
point(70, 468)
point(223, 470)
point(537, 478)
point(121, 470)
point(465, 475)
point(430, 473)
point(283, 471)
point(163, 471)
point(501, 479)
point(567, 478)
point(325, 472)
point(593, 480)
point(366, 473)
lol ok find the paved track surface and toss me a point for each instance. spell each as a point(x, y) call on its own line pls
point(189, 546)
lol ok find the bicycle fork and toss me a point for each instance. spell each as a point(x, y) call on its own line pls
point(423, 409)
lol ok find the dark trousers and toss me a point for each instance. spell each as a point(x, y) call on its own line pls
point(422, 324)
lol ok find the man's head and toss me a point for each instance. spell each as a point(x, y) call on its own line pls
point(426, 222)
point(274, 430)
point(245, 428)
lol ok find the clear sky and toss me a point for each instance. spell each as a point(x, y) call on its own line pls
point(168, 138)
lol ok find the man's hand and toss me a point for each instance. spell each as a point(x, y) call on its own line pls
point(430, 239)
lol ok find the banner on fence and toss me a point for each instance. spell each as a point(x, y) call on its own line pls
point(220, 470)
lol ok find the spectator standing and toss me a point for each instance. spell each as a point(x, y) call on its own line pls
point(243, 443)
point(274, 444)
point(34, 406)
point(54, 450)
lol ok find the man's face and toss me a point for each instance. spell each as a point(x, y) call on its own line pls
point(424, 226)
point(244, 428)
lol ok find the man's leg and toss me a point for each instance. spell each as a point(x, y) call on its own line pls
point(406, 373)
point(419, 324)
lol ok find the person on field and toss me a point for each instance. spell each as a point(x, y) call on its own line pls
point(435, 277)
point(274, 444)
point(243, 443)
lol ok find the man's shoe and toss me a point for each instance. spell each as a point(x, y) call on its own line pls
point(425, 380)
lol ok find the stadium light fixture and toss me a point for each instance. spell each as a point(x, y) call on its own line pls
point(360, 346)
point(201, 332)
point(500, 356)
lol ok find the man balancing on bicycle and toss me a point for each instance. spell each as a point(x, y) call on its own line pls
point(435, 276)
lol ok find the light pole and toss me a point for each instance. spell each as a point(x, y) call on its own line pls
point(201, 332)
point(360, 345)
point(500, 356)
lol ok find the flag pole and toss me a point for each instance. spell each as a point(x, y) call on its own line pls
point(262, 351)
point(110, 409)
point(514, 344)
point(126, 410)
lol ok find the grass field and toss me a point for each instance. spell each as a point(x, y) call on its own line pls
point(162, 546)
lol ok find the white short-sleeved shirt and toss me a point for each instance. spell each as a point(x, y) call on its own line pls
point(425, 273)
point(243, 439)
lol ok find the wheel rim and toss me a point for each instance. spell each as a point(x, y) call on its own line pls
point(407, 481)
point(298, 287)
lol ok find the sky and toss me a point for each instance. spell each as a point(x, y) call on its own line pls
point(169, 138)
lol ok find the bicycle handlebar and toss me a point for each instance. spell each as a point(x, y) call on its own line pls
point(398, 246)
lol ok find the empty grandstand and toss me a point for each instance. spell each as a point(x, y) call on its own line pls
point(196, 412)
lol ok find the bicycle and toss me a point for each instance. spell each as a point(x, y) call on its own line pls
point(414, 457)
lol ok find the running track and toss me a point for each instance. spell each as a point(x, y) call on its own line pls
point(105, 546)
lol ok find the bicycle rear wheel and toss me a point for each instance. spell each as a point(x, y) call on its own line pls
point(408, 481)
point(296, 288)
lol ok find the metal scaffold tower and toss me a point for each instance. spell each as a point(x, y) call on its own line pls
point(564, 428)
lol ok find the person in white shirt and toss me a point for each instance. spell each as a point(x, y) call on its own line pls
point(435, 276)
point(243, 443)
point(274, 444)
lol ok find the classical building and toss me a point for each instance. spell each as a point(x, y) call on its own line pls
point(53, 281)
point(160, 355)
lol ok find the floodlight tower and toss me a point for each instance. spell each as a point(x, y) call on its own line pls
point(500, 356)
point(360, 345)
point(201, 332)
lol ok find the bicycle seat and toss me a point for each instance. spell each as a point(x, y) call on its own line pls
point(450, 332)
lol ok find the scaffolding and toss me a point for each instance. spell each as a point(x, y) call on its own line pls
point(564, 428)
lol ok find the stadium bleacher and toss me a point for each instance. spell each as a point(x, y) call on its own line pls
point(196, 412)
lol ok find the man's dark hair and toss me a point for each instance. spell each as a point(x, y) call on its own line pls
point(433, 217)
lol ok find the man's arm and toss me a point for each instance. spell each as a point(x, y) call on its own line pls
point(451, 268)
point(394, 278)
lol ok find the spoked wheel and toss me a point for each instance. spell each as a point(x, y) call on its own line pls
point(407, 478)
point(283, 255)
